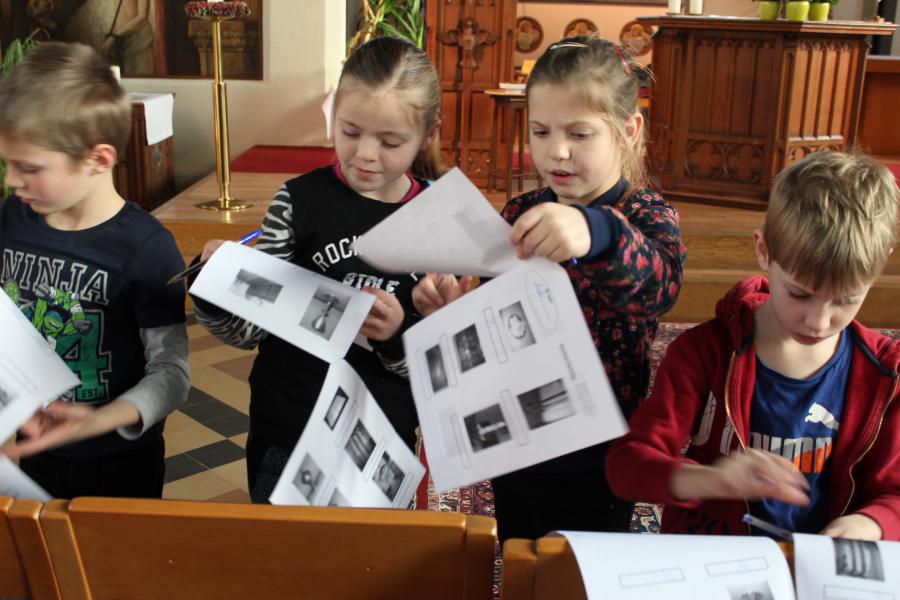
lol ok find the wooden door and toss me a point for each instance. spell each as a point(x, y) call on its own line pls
point(471, 43)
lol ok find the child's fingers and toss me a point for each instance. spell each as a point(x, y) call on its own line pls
point(427, 291)
point(524, 224)
point(210, 247)
point(466, 283)
point(532, 241)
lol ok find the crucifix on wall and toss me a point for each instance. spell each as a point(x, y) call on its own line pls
point(470, 39)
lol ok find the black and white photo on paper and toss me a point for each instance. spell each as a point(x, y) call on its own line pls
point(759, 590)
point(308, 478)
point(338, 499)
point(546, 404)
point(468, 348)
point(360, 445)
point(487, 428)
point(437, 370)
point(514, 321)
point(253, 287)
point(857, 558)
point(324, 311)
point(388, 476)
point(6, 396)
point(336, 408)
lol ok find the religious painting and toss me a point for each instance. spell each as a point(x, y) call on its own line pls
point(145, 38)
point(636, 37)
point(529, 34)
point(578, 27)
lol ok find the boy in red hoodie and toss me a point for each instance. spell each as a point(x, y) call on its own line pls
point(784, 406)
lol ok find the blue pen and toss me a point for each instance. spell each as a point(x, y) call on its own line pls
point(768, 527)
point(245, 239)
point(573, 261)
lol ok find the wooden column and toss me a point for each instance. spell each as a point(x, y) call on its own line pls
point(736, 100)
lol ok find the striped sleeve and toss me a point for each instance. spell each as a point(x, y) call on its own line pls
point(277, 239)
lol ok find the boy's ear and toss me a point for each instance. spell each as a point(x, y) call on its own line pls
point(634, 125)
point(762, 251)
point(101, 158)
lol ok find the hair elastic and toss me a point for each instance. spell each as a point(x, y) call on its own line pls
point(615, 48)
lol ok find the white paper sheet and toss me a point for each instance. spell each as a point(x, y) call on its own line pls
point(508, 376)
point(680, 567)
point(837, 569)
point(31, 373)
point(158, 110)
point(311, 311)
point(448, 228)
point(348, 454)
point(15, 483)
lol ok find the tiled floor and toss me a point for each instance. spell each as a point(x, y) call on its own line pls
point(205, 439)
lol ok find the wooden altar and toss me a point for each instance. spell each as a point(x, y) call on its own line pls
point(736, 100)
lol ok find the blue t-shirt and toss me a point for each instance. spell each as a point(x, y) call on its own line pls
point(799, 419)
point(89, 293)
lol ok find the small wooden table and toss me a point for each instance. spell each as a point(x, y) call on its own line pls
point(509, 122)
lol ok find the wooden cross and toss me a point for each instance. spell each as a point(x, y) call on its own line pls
point(470, 39)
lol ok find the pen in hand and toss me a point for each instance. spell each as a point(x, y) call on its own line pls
point(768, 527)
point(245, 239)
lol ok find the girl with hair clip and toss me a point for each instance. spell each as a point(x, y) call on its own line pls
point(618, 240)
point(386, 119)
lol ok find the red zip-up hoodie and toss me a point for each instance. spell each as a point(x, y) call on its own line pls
point(702, 397)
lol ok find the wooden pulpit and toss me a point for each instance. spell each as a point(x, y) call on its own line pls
point(735, 100)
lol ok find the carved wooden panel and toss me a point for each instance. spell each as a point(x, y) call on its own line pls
point(471, 43)
point(737, 100)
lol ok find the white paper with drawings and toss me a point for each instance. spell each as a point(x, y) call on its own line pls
point(508, 376)
point(311, 311)
point(625, 566)
point(839, 569)
point(15, 483)
point(31, 373)
point(448, 228)
point(348, 454)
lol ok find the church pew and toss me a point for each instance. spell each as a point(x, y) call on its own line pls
point(542, 569)
point(25, 568)
point(125, 548)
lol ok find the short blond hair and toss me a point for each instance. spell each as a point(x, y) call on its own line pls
point(831, 221)
point(64, 97)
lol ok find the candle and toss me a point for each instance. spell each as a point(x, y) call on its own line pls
point(117, 73)
point(674, 7)
point(695, 7)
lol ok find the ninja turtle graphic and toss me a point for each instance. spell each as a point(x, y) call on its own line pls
point(55, 312)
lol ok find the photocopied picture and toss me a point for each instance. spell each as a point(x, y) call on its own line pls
point(348, 454)
point(845, 569)
point(750, 591)
point(336, 408)
point(546, 404)
point(309, 478)
point(6, 395)
point(858, 558)
point(324, 312)
point(437, 369)
point(468, 348)
point(487, 428)
point(304, 308)
point(515, 324)
point(255, 288)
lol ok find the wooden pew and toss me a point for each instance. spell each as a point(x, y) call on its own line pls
point(542, 569)
point(25, 568)
point(120, 549)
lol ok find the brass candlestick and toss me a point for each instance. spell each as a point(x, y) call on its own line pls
point(215, 13)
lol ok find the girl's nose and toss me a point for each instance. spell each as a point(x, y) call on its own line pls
point(367, 148)
point(559, 150)
point(13, 178)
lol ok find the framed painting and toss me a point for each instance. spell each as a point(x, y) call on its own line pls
point(146, 38)
point(644, 2)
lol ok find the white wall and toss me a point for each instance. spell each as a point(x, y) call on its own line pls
point(303, 46)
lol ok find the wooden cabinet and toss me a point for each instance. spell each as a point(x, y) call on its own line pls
point(879, 128)
point(736, 100)
point(145, 174)
point(471, 43)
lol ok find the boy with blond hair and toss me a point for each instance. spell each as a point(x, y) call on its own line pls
point(89, 270)
point(784, 406)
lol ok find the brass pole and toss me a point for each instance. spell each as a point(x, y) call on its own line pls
point(220, 115)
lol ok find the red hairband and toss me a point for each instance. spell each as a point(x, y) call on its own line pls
point(615, 48)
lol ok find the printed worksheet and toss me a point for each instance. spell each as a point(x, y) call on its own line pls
point(15, 483)
point(348, 454)
point(508, 376)
point(311, 311)
point(828, 568)
point(448, 228)
point(626, 566)
point(31, 373)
